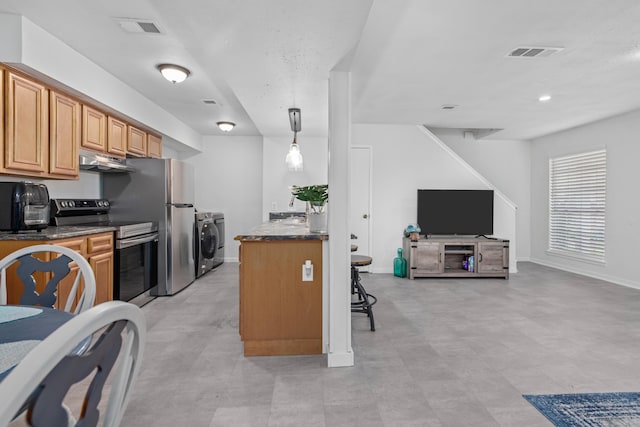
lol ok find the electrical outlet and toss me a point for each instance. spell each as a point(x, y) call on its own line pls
point(274, 206)
point(307, 271)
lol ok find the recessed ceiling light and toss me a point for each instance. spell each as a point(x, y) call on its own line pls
point(173, 73)
point(226, 126)
point(544, 98)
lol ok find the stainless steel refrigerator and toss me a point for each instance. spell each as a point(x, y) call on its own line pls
point(159, 190)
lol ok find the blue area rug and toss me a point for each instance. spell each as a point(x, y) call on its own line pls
point(589, 409)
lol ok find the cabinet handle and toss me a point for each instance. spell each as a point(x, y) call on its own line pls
point(365, 216)
point(480, 257)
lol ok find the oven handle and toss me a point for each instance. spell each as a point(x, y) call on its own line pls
point(127, 243)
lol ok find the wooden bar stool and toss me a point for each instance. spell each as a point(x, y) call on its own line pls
point(364, 300)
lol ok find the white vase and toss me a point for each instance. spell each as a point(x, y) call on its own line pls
point(317, 222)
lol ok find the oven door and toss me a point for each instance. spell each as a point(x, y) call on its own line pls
point(136, 266)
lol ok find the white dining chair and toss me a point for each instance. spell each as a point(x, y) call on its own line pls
point(43, 378)
point(59, 267)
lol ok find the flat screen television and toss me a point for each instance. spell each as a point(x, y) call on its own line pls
point(461, 212)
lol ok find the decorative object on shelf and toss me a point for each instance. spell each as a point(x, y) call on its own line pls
point(174, 73)
point(294, 156)
point(412, 232)
point(316, 197)
point(399, 265)
point(226, 126)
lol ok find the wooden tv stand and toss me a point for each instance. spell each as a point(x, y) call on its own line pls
point(444, 256)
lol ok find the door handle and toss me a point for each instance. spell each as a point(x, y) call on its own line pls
point(365, 216)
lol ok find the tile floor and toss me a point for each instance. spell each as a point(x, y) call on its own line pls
point(446, 352)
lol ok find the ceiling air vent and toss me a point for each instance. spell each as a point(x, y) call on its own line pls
point(132, 25)
point(533, 52)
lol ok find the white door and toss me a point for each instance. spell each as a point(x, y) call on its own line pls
point(360, 220)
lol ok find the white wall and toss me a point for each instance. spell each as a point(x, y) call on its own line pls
point(621, 138)
point(507, 165)
point(277, 179)
point(228, 179)
point(404, 160)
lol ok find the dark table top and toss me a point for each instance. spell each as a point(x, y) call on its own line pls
point(22, 328)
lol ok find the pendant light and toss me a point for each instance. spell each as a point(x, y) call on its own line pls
point(294, 156)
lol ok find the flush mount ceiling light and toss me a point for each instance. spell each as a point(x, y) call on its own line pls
point(294, 156)
point(173, 73)
point(226, 126)
point(544, 98)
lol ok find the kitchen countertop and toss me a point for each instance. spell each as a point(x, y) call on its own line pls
point(281, 230)
point(55, 233)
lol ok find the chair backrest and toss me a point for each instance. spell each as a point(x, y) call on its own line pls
point(59, 267)
point(43, 378)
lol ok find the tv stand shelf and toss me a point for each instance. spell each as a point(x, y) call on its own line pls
point(457, 256)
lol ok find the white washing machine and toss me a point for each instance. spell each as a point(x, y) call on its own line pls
point(209, 244)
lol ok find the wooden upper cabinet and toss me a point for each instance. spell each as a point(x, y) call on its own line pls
point(26, 150)
point(64, 135)
point(116, 137)
point(94, 129)
point(136, 141)
point(154, 146)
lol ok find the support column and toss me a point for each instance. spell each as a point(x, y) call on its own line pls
point(340, 352)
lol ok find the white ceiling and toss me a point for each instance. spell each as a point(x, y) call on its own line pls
point(257, 58)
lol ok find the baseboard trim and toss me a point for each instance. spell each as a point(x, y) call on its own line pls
point(340, 360)
point(607, 278)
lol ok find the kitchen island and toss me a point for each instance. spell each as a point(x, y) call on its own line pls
point(281, 289)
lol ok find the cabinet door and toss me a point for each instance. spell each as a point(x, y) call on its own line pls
point(425, 257)
point(102, 266)
point(116, 137)
point(137, 141)
point(154, 146)
point(27, 126)
point(64, 135)
point(490, 257)
point(66, 284)
point(94, 129)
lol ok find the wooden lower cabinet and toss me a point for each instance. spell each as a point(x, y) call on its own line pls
point(279, 313)
point(96, 248)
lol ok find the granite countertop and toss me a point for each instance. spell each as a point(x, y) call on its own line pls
point(289, 229)
point(55, 233)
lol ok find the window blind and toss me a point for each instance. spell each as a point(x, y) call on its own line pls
point(577, 197)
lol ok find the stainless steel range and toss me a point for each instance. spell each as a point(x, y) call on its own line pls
point(135, 276)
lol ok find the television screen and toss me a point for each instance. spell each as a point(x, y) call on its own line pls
point(463, 212)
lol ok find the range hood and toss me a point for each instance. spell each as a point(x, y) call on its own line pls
point(100, 162)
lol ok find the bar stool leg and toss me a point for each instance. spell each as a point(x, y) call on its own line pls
point(365, 300)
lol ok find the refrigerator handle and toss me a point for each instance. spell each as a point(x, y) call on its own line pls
point(183, 205)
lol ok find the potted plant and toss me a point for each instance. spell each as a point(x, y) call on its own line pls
point(316, 197)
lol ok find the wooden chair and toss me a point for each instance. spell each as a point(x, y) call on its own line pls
point(59, 269)
point(40, 382)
